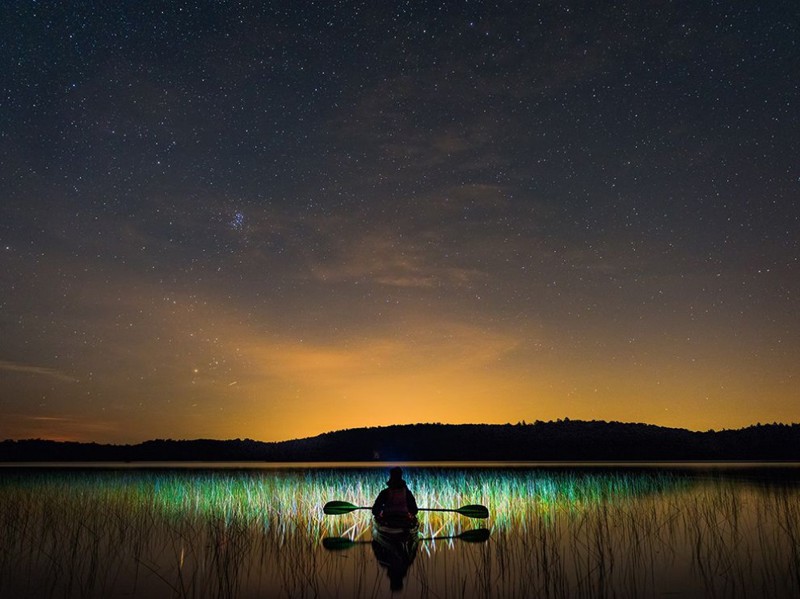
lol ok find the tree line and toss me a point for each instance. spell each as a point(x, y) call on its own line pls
point(563, 440)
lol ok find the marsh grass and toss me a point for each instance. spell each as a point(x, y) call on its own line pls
point(555, 533)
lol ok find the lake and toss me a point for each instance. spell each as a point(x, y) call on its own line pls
point(189, 530)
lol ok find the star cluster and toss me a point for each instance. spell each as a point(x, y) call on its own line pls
point(273, 219)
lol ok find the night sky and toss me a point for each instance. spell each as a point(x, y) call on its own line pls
point(272, 220)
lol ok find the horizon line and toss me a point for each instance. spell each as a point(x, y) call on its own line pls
point(522, 422)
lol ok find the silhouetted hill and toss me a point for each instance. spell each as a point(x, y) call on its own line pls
point(565, 440)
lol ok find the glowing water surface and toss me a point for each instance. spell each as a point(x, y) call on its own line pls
point(556, 531)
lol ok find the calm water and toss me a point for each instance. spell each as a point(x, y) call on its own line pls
point(555, 531)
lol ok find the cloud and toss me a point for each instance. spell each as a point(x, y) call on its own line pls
point(426, 370)
point(451, 235)
point(421, 349)
point(36, 371)
point(56, 428)
point(388, 259)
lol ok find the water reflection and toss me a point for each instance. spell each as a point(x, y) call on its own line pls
point(252, 533)
point(396, 554)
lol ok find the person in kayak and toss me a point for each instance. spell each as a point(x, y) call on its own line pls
point(396, 501)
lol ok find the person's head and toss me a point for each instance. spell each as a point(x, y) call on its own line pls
point(395, 478)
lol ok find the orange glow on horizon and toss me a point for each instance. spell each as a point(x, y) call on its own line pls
point(234, 382)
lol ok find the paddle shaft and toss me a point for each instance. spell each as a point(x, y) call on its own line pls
point(344, 507)
point(421, 509)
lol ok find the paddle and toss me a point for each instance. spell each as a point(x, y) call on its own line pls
point(470, 511)
point(335, 508)
point(478, 535)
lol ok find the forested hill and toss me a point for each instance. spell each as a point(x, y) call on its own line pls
point(564, 440)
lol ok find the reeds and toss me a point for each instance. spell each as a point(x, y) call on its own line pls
point(238, 533)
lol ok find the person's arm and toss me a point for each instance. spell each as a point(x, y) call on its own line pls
point(411, 503)
point(377, 507)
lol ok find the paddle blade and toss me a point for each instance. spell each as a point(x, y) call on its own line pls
point(474, 511)
point(337, 543)
point(479, 535)
point(335, 508)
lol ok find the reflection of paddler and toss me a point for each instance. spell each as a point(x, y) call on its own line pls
point(395, 547)
point(395, 531)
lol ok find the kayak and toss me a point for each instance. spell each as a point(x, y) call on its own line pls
point(395, 529)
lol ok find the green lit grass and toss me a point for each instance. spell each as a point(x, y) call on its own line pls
point(556, 533)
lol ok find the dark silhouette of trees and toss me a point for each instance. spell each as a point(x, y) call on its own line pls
point(563, 440)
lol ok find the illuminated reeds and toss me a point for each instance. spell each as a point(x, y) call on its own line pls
point(555, 533)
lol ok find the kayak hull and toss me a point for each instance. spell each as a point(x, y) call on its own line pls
point(394, 529)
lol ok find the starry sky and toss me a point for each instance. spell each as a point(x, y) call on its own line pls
point(270, 220)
